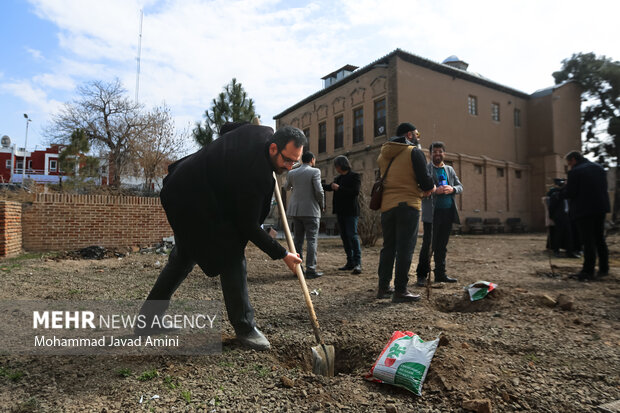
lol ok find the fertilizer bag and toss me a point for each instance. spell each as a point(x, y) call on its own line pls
point(404, 361)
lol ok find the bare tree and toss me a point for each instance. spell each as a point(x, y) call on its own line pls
point(110, 120)
point(369, 223)
point(158, 145)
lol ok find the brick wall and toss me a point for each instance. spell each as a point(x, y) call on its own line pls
point(10, 228)
point(66, 222)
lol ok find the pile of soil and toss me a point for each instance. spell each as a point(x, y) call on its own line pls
point(540, 342)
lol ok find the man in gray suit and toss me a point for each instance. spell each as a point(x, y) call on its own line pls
point(305, 207)
point(438, 213)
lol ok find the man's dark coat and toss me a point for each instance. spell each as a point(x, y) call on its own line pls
point(217, 198)
point(586, 187)
point(345, 201)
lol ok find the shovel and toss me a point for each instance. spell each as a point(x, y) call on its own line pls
point(322, 354)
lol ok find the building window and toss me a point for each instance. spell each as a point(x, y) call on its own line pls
point(495, 112)
point(517, 174)
point(478, 169)
point(517, 117)
point(380, 117)
point(339, 132)
point(322, 137)
point(358, 125)
point(53, 165)
point(30, 164)
point(500, 172)
point(19, 165)
point(8, 164)
point(307, 133)
point(472, 105)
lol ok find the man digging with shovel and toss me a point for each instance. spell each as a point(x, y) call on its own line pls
point(216, 200)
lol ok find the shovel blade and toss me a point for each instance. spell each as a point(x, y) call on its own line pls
point(323, 360)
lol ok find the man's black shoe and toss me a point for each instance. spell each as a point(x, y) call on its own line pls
point(602, 273)
point(572, 255)
point(421, 282)
point(445, 279)
point(154, 331)
point(314, 274)
point(347, 267)
point(254, 339)
point(405, 297)
point(385, 293)
point(584, 276)
point(357, 270)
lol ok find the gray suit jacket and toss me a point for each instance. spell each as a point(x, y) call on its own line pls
point(428, 204)
point(308, 198)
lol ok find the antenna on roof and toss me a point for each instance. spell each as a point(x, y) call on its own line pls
point(138, 58)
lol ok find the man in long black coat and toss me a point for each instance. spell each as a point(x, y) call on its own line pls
point(216, 201)
point(586, 188)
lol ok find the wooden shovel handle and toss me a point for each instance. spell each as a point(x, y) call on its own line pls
point(298, 271)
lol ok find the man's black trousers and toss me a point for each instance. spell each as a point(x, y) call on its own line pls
point(234, 288)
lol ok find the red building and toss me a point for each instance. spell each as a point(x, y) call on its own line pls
point(41, 165)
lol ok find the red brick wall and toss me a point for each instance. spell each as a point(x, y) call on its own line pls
point(10, 228)
point(67, 222)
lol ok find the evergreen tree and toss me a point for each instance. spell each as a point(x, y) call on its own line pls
point(600, 117)
point(231, 105)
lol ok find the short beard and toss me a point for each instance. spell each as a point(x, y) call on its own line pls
point(274, 164)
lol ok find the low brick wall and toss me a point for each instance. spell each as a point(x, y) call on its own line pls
point(10, 228)
point(66, 222)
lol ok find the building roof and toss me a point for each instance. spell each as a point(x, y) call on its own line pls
point(548, 90)
point(348, 68)
point(414, 59)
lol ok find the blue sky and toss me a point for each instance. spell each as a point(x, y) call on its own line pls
point(278, 50)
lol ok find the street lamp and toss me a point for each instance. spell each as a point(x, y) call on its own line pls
point(28, 120)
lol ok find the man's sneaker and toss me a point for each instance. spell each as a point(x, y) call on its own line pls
point(445, 279)
point(357, 270)
point(405, 297)
point(313, 274)
point(254, 339)
point(385, 293)
point(421, 282)
point(346, 267)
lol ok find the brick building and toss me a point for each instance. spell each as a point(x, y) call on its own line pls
point(42, 165)
point(504, 144)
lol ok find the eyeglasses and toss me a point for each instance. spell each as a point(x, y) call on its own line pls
point(287, 161)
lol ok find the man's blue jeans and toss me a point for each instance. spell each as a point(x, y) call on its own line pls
point(350, 240)
point(400, 233)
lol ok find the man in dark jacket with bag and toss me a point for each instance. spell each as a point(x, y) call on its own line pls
point(215, 201)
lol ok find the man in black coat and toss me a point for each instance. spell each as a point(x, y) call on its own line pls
point(346, 187)
point(586, 188)
point(216, 200)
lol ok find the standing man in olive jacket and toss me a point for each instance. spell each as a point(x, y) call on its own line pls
point(406, 183)
point(215, 201)
point(346, 187)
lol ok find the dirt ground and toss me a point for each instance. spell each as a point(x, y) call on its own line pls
point(509, 352)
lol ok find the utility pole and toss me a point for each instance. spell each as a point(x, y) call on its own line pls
point(28, 120)
point(138, 58)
